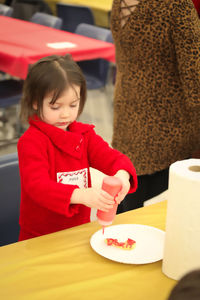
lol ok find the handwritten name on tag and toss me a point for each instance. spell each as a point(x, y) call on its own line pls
point(79, 177)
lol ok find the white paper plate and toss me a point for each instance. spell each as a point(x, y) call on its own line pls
point(148, 249)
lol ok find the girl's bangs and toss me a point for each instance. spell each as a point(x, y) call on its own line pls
point(57, 87)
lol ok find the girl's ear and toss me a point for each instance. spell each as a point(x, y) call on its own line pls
point(35, 106)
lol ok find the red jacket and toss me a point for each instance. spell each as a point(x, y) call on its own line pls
point(45, 152)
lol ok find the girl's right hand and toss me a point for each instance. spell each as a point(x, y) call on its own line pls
point(93, 197)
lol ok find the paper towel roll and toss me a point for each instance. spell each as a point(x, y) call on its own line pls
point(182, 240)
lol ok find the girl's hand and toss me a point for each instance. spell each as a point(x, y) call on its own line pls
point(93, 197)
point(124, 176)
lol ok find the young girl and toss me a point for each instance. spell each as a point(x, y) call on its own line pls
point(56, 152)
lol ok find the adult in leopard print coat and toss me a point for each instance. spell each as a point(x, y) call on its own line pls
point(157, 92)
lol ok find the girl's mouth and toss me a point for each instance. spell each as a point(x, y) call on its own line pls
point(62, 123)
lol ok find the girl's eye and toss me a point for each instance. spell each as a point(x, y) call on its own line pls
point(73, 105)
point(54, 107)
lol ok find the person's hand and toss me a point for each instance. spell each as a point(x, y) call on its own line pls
point(93, 197)
point(124, 176)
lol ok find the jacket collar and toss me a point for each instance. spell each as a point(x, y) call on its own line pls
point(70, 141)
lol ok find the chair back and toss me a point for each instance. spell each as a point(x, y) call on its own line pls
point(46, 20)
point(9, 199)
point(5, 10)
point(72, 15)
point(93, 31)
point(95, 71)
point(109, 38)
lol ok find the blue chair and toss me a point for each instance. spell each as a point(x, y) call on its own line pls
point(10, 199)
point(5, 10)
point(96, 71)
point(46, 20)
point(72, 15)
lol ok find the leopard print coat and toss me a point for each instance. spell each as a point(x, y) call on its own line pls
point(157, 92)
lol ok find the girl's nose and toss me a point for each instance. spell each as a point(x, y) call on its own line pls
point(65, 113)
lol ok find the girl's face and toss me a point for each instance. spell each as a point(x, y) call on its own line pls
point(64, 111)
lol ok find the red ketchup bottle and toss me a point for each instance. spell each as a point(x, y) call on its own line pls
point(111, 185)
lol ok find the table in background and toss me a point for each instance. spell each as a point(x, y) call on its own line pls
point(100, 8)
point(23, 43)
point(63, 265)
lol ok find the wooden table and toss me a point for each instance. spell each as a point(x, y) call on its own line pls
point(63, 265)
point(100, 8)
point(23, 43)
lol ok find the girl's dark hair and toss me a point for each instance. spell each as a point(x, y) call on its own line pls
point(50, 74)
point(188, 287)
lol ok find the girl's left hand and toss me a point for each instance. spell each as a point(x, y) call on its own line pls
point(124, 176)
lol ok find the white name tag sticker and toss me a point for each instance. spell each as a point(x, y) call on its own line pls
point(79, 177)
point(61, 45)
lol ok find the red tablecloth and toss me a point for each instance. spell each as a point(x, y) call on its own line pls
point(22, 43)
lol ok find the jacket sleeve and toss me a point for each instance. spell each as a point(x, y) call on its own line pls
point(108, 160)
point(185, 28)
point(36, 181)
